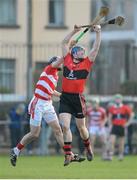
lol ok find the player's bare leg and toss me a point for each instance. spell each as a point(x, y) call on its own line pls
point(59, 136)
point(112, 146)
point(29, 137)
point(121, 148)
point(104, 146)
point(85, 136)
point(92, 140)
point(65, 119)
point(57, 132)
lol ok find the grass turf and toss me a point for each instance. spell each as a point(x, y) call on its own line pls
point(36, 167)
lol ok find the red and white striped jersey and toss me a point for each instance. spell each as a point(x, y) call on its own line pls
point(96, 116)
point(47, 83)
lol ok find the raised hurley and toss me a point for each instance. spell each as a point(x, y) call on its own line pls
point(102, 13)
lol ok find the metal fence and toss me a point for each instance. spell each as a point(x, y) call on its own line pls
point(115, 64)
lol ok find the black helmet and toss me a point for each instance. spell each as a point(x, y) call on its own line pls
point(53, 59)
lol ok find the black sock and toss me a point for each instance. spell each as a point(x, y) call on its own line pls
point(67, 148)
point(86, 142)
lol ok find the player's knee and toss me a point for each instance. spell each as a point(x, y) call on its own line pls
point(58, 131)
point(65, 129)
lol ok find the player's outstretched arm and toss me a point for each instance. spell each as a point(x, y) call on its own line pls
point(66, 40)
point(94, 51)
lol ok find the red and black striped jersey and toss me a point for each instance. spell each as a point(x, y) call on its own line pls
point(120, 114)
point(75, 74)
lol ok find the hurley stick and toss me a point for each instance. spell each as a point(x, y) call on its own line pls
point(102, 13)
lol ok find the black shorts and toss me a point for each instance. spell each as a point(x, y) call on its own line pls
point(118, 131)
point(73, 104)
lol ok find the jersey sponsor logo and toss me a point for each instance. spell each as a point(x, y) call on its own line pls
point(71, 75)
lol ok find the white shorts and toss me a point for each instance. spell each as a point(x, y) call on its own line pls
point(96, 130)
point(40, 109)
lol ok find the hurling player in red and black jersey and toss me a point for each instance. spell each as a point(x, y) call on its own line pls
point(77, 66)
point(119, 116)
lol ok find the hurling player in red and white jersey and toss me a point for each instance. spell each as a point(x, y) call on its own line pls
point(77, 66)
point(41, 107)
point(120, 116)
point(96, 119)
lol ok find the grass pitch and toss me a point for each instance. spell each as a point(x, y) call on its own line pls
point(36, 167)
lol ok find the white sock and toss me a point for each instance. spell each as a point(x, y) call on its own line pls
point(16, 151)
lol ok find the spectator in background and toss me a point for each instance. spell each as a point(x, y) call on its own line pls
point(119, 116)
point(16, 116)
point(96, 116)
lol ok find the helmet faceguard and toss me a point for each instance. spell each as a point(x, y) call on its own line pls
point(78, 52)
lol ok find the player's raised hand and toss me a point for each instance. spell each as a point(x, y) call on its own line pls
point(77, 28)
point(97, 28)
